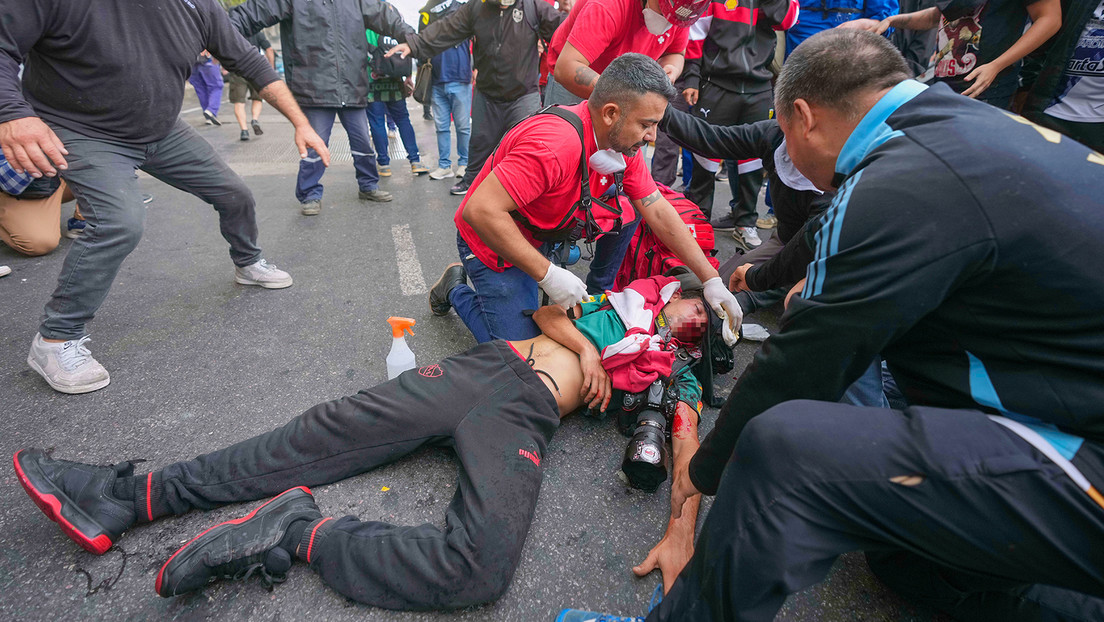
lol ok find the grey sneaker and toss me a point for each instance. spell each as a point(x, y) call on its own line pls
point(264, 274)
point(747, 237)
point(418, 168)
point(67, 367)
point(441, 173)
point(461, 171)
point(377, 195)
point(310, 208)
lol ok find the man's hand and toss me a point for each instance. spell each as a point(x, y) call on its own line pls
point(402, 49)
point(724, 303)
point(563, 287)
point(31, 146)
point(982, 77)
point(670, 556)
point(737, 282)
point(690, 95)
point(869, 25)
point(307, 138)
point(597, 388)
point(681, 487)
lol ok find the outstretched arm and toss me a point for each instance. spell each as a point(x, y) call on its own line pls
point(676, 547)
point(280, 98)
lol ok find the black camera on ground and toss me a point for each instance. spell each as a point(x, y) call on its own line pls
point(646, 417)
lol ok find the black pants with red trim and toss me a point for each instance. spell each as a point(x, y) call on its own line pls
point(487, 404)
point(953, 510)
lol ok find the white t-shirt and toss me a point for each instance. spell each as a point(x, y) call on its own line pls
point(1081, 96)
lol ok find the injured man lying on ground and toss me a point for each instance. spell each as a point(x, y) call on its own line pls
point(496, 405)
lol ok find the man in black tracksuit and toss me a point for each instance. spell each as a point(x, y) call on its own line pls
point(728, 81)
point(504, 48)
point(981, 497)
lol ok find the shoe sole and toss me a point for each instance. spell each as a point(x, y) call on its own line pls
point(459, 194)
point(310, 211)
point(58, 507)
point(441, 177)
point(264, 284)
point(218, 529)
point(387, 200)
point(60, 388)
point(212, 120)
point(257, 130)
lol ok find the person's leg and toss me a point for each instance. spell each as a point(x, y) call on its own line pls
point(199, 83)
point(239, 116)
point(308, 186)
point(329, 442)
point(500, 445)
point(951, 486)
point(867, 390)
point(493, 309)
point(101, 176)
point(487, 127)
point(460, 98)
point(187, 162)
point(401, 114)
point(442, 119)
point(257, 106)
point(975, 597)
point(355, 122)
point(31, 227)
point(609, 252)
point(745, 186)
point(713, 107)
point(212, 78)
point(378, 123)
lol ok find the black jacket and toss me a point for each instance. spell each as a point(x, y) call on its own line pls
point(932, 256)
point(505, 43)
point(797, 210)
point(324, 45)
point(736, 50)
point(113, 69)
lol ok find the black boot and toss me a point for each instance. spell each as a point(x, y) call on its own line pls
point(453, 275)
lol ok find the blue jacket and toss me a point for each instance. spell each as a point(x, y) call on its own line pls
point(818, 15)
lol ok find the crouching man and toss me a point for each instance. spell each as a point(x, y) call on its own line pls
point(497, 405)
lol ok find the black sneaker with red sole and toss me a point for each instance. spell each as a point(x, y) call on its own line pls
point(78, 497)
point(239, 548)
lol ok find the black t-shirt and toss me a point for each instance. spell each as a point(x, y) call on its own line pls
point(975, 32)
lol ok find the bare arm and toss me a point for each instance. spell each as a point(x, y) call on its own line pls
point(488, 212)
point(676, 547)
point(270, 54)
point(279, 97)
point(1046, 19)
point(597, 387)
point(672, 65)
point(573, 72)
point(917, 20)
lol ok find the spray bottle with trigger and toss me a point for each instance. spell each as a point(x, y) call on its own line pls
point(400, 358)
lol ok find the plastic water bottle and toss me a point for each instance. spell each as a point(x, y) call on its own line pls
point(400, 358)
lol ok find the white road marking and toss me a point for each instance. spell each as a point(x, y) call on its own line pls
point(410, 271)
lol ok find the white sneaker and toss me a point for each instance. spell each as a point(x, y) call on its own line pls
point(461, 171)
point(264, 274)
point(441, 173)
point(68, 367)
point(748, 237)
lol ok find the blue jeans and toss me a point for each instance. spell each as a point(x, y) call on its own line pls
point(609, 252)
point(493, 310)
point(101, 175)
point(867, 390)
point(452, 99)
point(308, 186)
point(377, 111)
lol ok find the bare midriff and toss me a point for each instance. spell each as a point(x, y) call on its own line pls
point(557, 366)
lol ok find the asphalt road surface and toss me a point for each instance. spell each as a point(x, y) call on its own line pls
point(198, 362)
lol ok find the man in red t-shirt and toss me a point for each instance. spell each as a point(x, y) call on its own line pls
point(534, 176)
point(598, 31)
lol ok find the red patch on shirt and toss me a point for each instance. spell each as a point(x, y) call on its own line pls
point(431, 371)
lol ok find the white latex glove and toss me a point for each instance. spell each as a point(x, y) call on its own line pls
point(566, 289)
point(725, 306)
